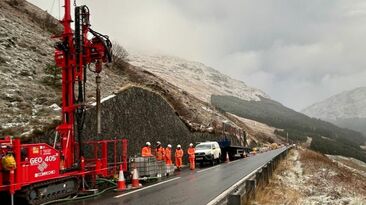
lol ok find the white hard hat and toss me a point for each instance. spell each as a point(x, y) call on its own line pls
point(191, 145)
point(178, 146)
point(158, 142)
point(148, 143)
point(169, 145)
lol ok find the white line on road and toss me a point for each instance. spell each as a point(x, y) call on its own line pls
point(234, 161)
point(223, 194)
point(137, 190)
point(203, 170)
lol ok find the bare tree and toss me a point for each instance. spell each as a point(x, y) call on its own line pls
point(119, 54)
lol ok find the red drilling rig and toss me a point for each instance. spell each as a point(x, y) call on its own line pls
point(41, 172)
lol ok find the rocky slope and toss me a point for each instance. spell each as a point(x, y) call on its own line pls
point(30, 96)
point(30, 101)
point(25, 49)
point(196, 78)
point(347, 109)
point(140, 115)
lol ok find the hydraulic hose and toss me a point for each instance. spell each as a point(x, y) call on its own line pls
point(107, 180)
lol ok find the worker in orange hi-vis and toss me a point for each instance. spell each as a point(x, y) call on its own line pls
point(146, 150)
point(168, 155)
point(178, 157)
point(160, 152)
point(191, 156)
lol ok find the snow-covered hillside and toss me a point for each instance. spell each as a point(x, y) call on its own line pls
point(31, 97)
point(195, 78)
point(25, 50)
point(348, 104)
point(347, 110)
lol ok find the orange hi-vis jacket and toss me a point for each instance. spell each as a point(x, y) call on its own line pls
point(160, 153)
point(179, 153)
point(191, 152)
point(178, 158)
point(146, 152)
point(168, 156)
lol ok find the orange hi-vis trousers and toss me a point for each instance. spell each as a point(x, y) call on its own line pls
point(168, 156)
point(178, 162)
point(192, 163)
point(191, 155)
point(178, 158)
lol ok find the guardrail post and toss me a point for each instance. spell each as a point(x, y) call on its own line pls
point(234, 199)
point(265, 174)
point(270, 168)
point(258, 177)
point(252, 186)
point(275, 162)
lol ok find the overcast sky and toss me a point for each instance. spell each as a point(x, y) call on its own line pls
point(298, 52)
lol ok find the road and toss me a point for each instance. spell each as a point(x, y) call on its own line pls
point(201, 186)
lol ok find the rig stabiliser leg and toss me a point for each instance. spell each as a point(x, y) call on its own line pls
point(98, 80)
point(12, 199)
point(12, 190)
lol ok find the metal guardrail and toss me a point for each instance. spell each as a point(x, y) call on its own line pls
point(246, 190)
point(242, 191)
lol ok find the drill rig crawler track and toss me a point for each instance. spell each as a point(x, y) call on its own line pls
point(50, 190)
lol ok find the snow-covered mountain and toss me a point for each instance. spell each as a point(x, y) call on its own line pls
point(195, 78)
point(347, 109)
point(348, 104)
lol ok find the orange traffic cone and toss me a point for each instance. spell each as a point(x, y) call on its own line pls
point(227, 157)
point(121, 185)
point(135, 179)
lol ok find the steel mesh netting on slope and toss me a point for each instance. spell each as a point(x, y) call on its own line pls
point(141, 115)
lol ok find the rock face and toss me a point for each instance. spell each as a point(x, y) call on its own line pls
point(28, 94)
point(125, 115)
point(25, 50)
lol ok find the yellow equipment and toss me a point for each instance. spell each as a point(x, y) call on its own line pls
point(8, 162)
point(254, 151)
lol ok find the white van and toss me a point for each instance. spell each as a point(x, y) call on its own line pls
point(208, 152)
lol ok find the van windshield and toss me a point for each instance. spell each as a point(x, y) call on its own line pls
point(203, 146)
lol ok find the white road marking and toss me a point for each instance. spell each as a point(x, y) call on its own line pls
point(234, 161)
point(137, 190)
point(227, 191)
point(203, 170)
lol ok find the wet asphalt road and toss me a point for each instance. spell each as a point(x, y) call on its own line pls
point(197, 187)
